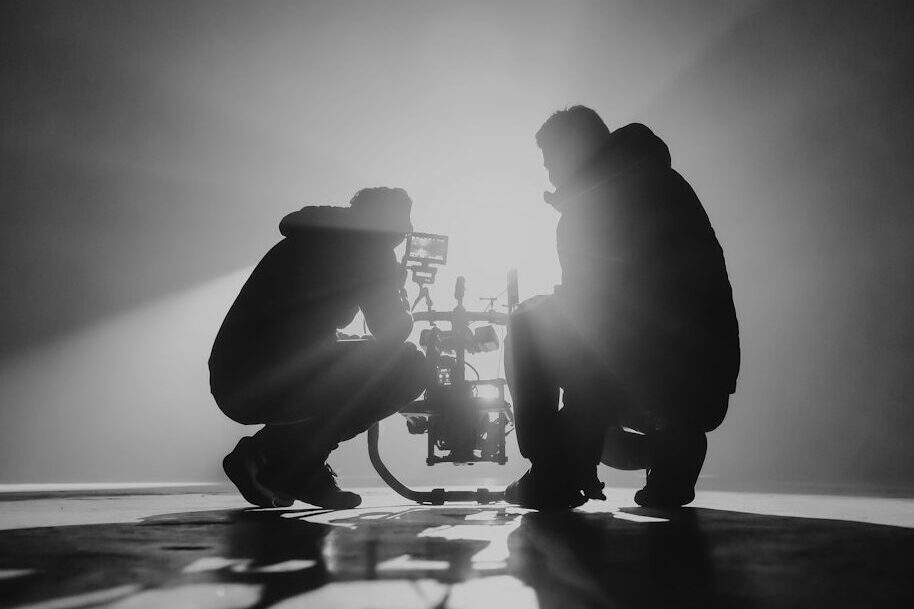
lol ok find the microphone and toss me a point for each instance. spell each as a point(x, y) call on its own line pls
point(460, 289)
point(513, 297)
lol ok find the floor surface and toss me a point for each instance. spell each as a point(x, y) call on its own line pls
point(202, 547)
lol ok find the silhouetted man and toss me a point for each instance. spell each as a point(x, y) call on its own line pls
point(641, 333)
point(277, 359)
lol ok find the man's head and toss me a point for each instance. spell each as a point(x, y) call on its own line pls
point(568, 139)
point(384, 211)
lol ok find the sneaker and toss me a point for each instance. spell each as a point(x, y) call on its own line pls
point(531, 492)
point(676, 462)
point(593, 488)
point(652, 497)
point(244, 467)
point(320, 489)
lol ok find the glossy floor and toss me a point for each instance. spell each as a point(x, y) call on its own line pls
point(200, 547)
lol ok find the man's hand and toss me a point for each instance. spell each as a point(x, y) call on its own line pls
point(533, 302)
point(404, 298)
point(341, 336)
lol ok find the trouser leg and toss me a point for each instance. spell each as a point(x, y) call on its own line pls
point(676, 459)
point(394, 379)
point(534, 388)
point(625, 450)
point(582, 423)
point(363, 384)
point(548, 350)
point(678, 445)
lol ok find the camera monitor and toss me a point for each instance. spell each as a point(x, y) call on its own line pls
point(426, 248)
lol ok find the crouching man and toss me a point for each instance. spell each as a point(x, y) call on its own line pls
point(641, 334)
point(277, 360)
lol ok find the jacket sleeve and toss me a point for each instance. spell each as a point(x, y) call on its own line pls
point(385, 312)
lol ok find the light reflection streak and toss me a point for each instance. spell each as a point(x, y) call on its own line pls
point(198, 596)
point(383, 594)
point(406, 562)
point(14, 573)
point(494, 555)
point(82, 600)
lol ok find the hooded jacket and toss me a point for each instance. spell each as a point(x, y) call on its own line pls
point(329, 265)
point(642, 269)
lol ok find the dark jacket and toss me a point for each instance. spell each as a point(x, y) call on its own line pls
point(642, 268)
point(308, 285)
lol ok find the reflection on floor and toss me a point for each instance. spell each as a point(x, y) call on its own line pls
point(178, 548)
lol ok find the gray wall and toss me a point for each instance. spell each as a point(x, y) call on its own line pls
point(149, 149)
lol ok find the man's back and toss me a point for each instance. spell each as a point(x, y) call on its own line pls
point(640, 260)
point(309, 284)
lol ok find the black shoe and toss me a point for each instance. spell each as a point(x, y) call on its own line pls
point(666, 499)
point(676, 460)
point(244, 466)
point(593, 488)
point(320, 489)
point(532, 492)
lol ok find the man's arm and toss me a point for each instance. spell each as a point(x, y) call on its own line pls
point(385, 311)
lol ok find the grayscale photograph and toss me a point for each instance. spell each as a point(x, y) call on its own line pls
point(428, 304)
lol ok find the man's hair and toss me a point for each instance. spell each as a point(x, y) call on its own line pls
point(388, 208)
point(381, 195)
point(573, 124)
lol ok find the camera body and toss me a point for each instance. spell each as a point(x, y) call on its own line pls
point(465, 420)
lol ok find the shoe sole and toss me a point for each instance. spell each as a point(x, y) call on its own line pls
point(355, 502)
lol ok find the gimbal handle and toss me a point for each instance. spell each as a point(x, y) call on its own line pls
point(492, 317)
point(435, 496)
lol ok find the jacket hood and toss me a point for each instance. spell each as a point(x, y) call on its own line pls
point(327, 218)
point(634, 145)
point(629, 151)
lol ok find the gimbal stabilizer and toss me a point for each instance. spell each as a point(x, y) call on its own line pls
point(465, 420)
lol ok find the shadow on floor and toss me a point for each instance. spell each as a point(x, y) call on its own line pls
point(472, 556)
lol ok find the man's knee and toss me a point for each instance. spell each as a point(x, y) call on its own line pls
point(411, 370)
point(403, 380)
point(713, 412)
point(236, 408)
point(696, 414)
point(231, 399)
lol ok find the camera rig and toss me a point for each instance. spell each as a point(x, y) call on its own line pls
point(466, 421)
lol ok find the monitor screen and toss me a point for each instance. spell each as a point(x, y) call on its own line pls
point(427, 248)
